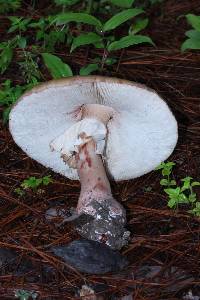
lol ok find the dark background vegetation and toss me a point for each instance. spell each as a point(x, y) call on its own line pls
point(160, 237)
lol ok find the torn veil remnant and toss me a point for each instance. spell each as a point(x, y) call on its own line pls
point(93, 122)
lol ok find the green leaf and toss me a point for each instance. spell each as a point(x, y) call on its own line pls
point(192, 197)
point(194, 21)
point(138, 26)
point(13, 28)
point(46, 180)
point(164, 182)
point(171, 203)
point(172, 182)
point(5, 58)
point(191, 44)
point(166, 171)
point(19, 192)
point(22, 42)
point(166, 168)
point(129, 41)
point(31, 182)
point(193, 34)
point(187, 179)
point(122, 3)
point(6, 113)
point(173, 192)
point(121, 17)
point(78, 18)
point(196, 211)
point(160, 167)
point(84, 71)
point(56, 66)
point(186, 183)
point(182, 198)
point(195, 183)
point(85, 39)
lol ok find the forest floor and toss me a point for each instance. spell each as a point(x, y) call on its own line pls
point(166, 241)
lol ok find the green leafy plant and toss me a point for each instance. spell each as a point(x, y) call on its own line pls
point(56, 66)
point(33, 183)
point(182, 194)
point(9, 95)
point(29, 67)
point(6, 51)
point(26, 295)
point(85, 39)
point(196, 209)
point(139, 25)
point(19, 24)
point(9, 5)
point(166, 169)
point(65, 18)
point(87, 70)
point(49, 34)
point(101, 39)
point(6, 55)
point(193, 36)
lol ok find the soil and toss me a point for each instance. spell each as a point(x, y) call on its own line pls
point(165, 240)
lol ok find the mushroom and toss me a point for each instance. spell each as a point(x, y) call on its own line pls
point(96, 126)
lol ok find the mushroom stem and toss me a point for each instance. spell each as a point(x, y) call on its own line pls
point(93, 178)
point(98, 217)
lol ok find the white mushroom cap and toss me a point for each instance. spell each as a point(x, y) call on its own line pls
point(141, 135)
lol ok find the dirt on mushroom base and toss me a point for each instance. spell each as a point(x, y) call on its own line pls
point(158, 234)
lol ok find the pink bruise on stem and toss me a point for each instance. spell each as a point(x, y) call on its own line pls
point(94, 182)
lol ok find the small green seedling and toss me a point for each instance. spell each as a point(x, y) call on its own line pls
point(33, 183)
point(147, 189)
point(166, 169)
point(182, 194)
point(193, 40)
point(26, 295)
point(19, 24)
point(196, 210)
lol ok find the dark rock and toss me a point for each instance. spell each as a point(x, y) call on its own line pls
point(91, 257)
